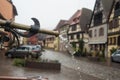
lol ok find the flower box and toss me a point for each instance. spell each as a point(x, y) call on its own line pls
point(43, 65)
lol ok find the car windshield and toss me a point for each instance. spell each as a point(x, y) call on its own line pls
point(22, 48)
point(118, 52)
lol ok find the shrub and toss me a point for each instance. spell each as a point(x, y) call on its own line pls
point(81, 45)
point(74, 46)
point(113, 50)
point(19, 62)
point(77, 53)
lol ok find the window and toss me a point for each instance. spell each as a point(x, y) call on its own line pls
point(101, 32)
point(74, 28)
point(78, 36)
point(98, 18)
point(110, 41)
point(114, 23)
point(90, 33)
point(117, 9)
point(98, 5)
point(118, 41)
point(72, 37)
point(110, 24)
point(95, 33)
point(114, 40)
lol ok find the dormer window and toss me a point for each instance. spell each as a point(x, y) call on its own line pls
point(98, 5)
point(98, 18)
point(73, 28)
point(117, 9)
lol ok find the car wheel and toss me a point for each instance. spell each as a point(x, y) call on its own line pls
point(9, 55)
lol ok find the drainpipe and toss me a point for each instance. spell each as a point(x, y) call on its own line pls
point(106, 44)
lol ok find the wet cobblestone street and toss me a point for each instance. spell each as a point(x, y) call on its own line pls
point(72, 69)
point(96, 70)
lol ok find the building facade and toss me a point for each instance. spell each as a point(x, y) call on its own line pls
point(114, 26)
point(98, 29)
point(62, 28)
point(78, 27)
point(49, 41)
point(64, 33)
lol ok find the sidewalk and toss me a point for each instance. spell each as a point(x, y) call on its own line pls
point(107, 63)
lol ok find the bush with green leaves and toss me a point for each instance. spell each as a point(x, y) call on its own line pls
point(81, 45)
point(74, 46)
point(19, 62)
point(113, 50)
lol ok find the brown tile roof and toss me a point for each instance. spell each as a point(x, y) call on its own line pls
point(82, 17)
point(60, 24)
point(75, 18)
point(85, 18)
point(107, 5)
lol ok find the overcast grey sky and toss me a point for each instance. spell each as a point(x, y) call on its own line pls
point(48, 12)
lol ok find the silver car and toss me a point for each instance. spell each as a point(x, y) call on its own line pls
point(116, 56)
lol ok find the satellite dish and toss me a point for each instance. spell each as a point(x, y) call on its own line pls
point(6, 9)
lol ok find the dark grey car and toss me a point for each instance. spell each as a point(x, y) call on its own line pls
point(21, 52)
point(116, 56)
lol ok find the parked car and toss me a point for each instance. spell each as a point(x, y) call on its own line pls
point(23, 51)
point(36, 48)
point(115, 57)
